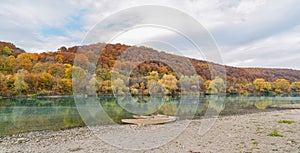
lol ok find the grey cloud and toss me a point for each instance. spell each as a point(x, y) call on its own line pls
point(271, 19)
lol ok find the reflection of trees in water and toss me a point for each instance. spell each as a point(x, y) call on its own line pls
point(263, 102)
point(140, 105)
point(216, 103)
point(32, 114)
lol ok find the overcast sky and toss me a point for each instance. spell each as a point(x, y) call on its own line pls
point(249, 33)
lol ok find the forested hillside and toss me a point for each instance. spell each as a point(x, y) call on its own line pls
point(50, 73)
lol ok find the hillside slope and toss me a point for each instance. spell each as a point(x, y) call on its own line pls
point(24, 73)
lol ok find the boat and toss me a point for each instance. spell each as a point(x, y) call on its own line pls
point(149, 120)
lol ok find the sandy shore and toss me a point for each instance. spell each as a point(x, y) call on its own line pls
point(242, 133)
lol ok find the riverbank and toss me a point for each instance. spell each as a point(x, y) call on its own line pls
point(240, 133)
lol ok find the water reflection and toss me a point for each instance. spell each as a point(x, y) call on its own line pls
point(31, 114)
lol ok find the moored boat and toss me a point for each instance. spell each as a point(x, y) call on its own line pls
point(147, 120)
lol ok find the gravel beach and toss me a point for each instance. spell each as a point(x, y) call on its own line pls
point(276, 131)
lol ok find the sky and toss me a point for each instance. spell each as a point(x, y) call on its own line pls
point(248, 33)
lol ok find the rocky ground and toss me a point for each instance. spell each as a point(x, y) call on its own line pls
point(242, 133)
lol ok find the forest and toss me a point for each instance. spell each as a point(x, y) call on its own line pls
point(121, 69)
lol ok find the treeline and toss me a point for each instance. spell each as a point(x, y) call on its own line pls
point(151, 72)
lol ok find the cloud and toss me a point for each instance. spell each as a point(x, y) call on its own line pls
point(269, 19)
point(35, 26)
point(248, 32)
point(280, 50)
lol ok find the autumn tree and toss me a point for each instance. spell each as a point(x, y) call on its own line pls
point(68, 71)
point(169, 82)
point(281, 85)
point(102, 74)
point(295, 86)
point(3, 86)
point(79, 79)
point(262, 86)
point(134, 89)
point(45, 81)
point(32, 80)
point(6, 66)
point(6, 51)
point(92, 85)
point(105, 87)
point(154, 87)
point(142, 88)
point(196, 82)
point(206, 85)
point(25, 61)
point(56, 70)
point(118, 86)
point(185, 84)
point(64, 86)
point(82, 61)
point(20, 85)
point(153, 76)
point(59, 58)
point(217, 85)
point(40, 67)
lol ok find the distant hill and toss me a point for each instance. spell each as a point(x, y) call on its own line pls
point(143, 61)
point(137, 54)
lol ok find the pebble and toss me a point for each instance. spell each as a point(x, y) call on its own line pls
point(22, 140)
point(225, 136)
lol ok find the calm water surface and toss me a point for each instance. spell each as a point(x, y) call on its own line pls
point(32, 114)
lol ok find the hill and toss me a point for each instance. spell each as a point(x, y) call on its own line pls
point(150, 71)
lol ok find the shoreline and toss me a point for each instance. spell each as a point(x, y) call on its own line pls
point(171, 95)
point(235, 133)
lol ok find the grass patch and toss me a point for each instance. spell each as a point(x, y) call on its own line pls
point(254, 142)
point(275, 134)
point(273, 144)
point(286, 121)
point(74, 149)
